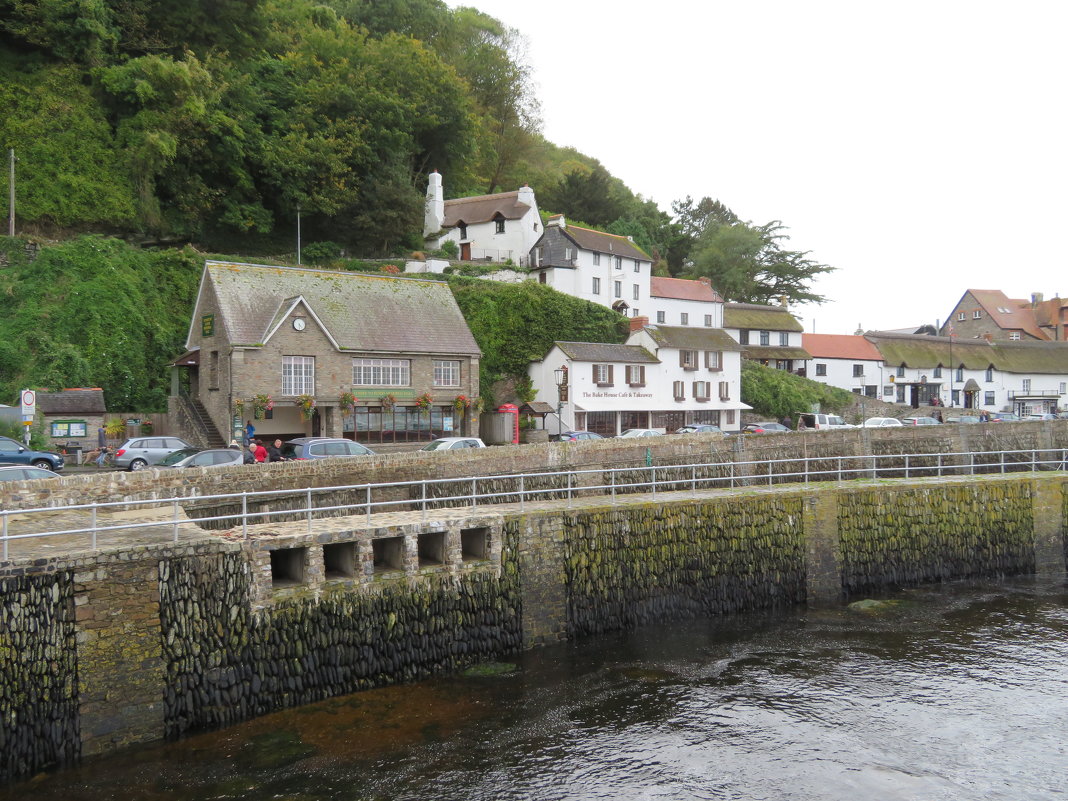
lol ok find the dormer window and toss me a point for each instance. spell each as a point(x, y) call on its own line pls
point(499, 222)
point(463, 230)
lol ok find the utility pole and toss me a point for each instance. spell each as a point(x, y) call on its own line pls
point(11, 196)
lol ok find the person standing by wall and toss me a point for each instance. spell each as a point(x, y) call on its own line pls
point(250, 432)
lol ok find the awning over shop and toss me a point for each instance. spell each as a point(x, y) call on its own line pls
point(191, 358)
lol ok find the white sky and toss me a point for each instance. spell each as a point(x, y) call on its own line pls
point(919, 147)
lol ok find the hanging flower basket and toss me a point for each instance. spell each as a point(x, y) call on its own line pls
point(347, 402)
point(239, 407)
point(261, 404)
point(306, 405)
point(387, 401)
point(424, 402)
point(462, 402)
point(479, 405)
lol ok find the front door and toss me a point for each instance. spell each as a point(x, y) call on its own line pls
point(317, 424)
point(465, 251)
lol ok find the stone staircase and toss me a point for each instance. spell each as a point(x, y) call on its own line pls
point(204, 430)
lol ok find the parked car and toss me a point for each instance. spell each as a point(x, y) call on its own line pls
point(140, 452)
point(1041, 416)
point(920, 421)
point(12, 452)
point(967, 419)
point(194, 457)
point(1004, 417)
point(822, 421)
point(22, 472)
point(631, 433)
point(764, 428)
point(453, 443)
point(882, 422)
point(574, 436)
point(701, 428)
point(303, 448)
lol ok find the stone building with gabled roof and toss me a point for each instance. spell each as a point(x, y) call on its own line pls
point(991, 313)
point(72, 416)
point(769, 335)
point(292, 333)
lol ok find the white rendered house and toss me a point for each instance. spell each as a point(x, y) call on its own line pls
point(769, 335)
point(845, 361)
point(495, 228)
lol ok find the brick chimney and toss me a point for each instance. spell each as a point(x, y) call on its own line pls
point(988, 337)
point(638, 323)
point(556, 221)
point(783, 301)
point(704, 279)
point(1036, 298)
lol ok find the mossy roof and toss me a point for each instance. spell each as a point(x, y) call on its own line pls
point(692, 338)
point(1006, 356)
point(764, 318)
point(606, 352)
point(759, 352)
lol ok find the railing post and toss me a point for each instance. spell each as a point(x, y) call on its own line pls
point(971, 464)
point(569, 490)
point(906, 465)
point(422, 484)
point(368, 505)
point(1034, 460)
point(4, 515)
point(732, 475)
point(1003, 462)
point(654, 481)
point(175, 509)
point(522, 494)
point(693, 479)
point(840, 468)
point(612, 474)
point(474, 491)
point(309, 510)
point(939, 465)
point(244, 514)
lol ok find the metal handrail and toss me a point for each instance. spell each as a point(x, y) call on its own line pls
point(610, 483)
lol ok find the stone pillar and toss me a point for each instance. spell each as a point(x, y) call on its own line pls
point(823, 582)
point(120, 658)
point(1047, 505)
point(543, 582)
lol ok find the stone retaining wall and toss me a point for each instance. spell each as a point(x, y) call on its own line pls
point(157, 641)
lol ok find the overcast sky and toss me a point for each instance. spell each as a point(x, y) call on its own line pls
point(919, 147)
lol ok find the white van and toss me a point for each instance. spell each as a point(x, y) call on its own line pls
point(820, 422)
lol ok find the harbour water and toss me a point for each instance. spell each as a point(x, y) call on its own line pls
point(952, 692)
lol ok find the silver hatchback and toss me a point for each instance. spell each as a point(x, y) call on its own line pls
point(140, 452)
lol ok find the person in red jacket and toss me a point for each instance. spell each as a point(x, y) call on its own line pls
point(261, 452)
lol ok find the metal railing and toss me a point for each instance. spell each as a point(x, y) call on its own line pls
point(563, 486)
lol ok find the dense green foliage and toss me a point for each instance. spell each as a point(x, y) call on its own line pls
point(95, 312)
point(515, 324)
point(776, 393)
point(745, 262)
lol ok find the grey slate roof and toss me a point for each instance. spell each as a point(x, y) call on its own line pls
point(606, 352)
point(72, 401)
point(361, 312)
point(692, 338)
point(555, 240)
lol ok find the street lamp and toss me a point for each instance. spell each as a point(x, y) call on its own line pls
point(560, 373)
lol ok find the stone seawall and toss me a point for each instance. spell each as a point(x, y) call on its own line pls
point(108, 650)
point(1043, 436)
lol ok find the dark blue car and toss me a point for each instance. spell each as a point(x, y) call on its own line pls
point(14, 452)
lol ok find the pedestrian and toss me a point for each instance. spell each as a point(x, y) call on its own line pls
point(801, 423)
point(274, 452)
point(938, 416)
point(234, 445)
point(261, 452)
point(102, 456)
point(786, 421)
point(101, 438)
point(250, 432)
point(250, 453)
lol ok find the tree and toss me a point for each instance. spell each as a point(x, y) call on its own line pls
point(745, 262)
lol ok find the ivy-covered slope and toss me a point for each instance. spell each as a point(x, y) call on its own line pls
point(94, 312)
point(777, 393)
point(515, 324)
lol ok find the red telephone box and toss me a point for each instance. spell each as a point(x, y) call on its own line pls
point(512, 409)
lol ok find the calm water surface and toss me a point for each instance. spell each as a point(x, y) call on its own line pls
point(960, 692)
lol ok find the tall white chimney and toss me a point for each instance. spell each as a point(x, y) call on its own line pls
point(434, 214)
